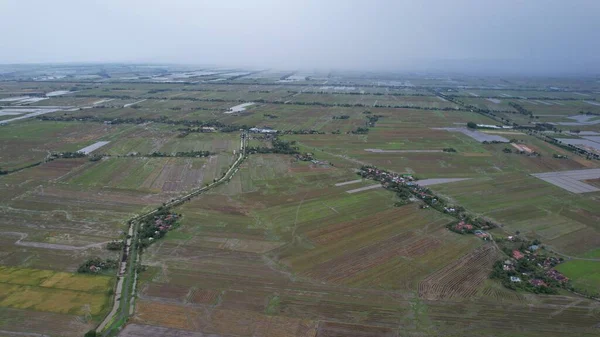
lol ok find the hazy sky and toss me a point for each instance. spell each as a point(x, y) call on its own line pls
point(555, 36)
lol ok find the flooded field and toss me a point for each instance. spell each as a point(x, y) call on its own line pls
point(239, 108)
point(93, 147)
point(477, 135)
point(58, 93)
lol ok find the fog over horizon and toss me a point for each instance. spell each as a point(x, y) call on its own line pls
point(534, 37)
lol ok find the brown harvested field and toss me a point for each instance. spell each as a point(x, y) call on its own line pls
point(222, 322)
point(166, 291)
point(547, 316)
point(498, 293)
point(205, 296)
point(25, 143)
point(354, 264)
point(462, 278)
point(280, 250)
point(17, 322)
point(332, 329)
point(150, 175)
point(167, 315)
point(140, 330)
point(567, 222)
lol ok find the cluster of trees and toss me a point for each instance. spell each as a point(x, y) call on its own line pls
point(571, 148)
point(96, 265)
point(105, 96)
point(355, 93)
point(155, 91)
point(141, 120)
point(96, 157)
point(472, 108)
point(449, 149)
point(156, 226)
point(302, 132)
point(404, 191)
point(279, 146)
point(3, 172)
point(520, 109)
point(360, 131)
point(55, 155)
point(115, 245)
point(532, 266)
point(191, 154)
point(372, 119)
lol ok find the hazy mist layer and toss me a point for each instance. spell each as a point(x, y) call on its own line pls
point(528, 37)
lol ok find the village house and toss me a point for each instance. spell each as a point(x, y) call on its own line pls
point(556, 275)
point(517, 254)
point(538, 283)
point(481, 234)
point(508, 266)
point(463, 226)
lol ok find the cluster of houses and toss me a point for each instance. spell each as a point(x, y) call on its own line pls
point(462, 226)
point(164, 223)
point(158, 226)
point(545, 263)
point(404, 183)
point(556, 275)
point(310, 157)
point(96, 265)
point(465, 227)
point(305, 156)
point(386, 177)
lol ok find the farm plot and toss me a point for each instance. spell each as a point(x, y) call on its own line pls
point(489, 103)
point(461, 278)
point(155, 175)
point(139, 139)
point(374, 249)
point(428, 182)
point(548, 316)
point(284, 243)
point(472, 158)
point(572, 180)
point(89, 149)
point(239, 107)
point(18, 322)
point(478, 136)
point(532, 206)
point(588, 144)
point(584, 275)
point(44, 290)
point(299, 117)
point(26, 143)
point(212, 142)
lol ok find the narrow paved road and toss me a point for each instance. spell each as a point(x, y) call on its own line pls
point(124, 291)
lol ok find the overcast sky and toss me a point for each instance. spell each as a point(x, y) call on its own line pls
point(529, 36)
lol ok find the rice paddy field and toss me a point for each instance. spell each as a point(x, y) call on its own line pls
point(286, 247)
